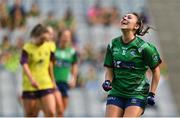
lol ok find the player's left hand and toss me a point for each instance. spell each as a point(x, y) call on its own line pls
point(72, 83)
point(150, 99)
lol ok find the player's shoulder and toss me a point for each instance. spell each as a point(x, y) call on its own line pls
point(145, 46)
point(72, 50)
point(27, 46)
point(114, 41)
point(50, 45)
point(139, 41)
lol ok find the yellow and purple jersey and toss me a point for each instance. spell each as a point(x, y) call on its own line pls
point(38, 61)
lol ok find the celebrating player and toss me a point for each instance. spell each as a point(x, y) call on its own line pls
point(127, 60)
point(38, 85)
point(65, 68)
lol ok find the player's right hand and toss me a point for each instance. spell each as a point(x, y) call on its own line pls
point(34, 84)
point(107, 85)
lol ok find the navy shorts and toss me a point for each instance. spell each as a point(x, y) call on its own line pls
point(36, 94)
point(125, 102)
point(63, 88)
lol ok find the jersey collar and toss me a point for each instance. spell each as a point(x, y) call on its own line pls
point(130, 42)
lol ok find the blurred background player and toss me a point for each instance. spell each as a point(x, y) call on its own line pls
point(52, 34)
point(65, 67)
point(127, 60)
point(57, 94)
point(38, 84)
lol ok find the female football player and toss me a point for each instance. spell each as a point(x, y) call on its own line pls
point(127, 60)
point(65, 66)
point(38, 85)
point(57, 94)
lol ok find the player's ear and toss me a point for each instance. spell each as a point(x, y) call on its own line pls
point(136, 27)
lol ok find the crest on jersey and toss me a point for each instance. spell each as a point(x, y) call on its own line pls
point(133, 53)
point(116, 50)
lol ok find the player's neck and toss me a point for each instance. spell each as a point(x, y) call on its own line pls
point(63, 46)
point(36, 42)
point(128, 37)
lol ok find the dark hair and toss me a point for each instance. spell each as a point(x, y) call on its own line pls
point(140, 31)
point(38, 30)
point(60, 33)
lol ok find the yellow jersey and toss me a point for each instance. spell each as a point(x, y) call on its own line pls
point(38, 61)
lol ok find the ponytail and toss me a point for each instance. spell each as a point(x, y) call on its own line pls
point(141, 31)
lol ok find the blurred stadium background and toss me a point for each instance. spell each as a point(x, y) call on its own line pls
point(94, 23)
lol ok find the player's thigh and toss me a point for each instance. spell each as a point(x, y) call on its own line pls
point(114, 111)
point(48, 104)
point(133, 111)
point(31, 107)
point(59, 101)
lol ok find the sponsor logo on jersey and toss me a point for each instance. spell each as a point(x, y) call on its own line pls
point(63, 63)
point(123, 64)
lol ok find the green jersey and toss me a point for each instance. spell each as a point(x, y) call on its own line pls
point(129, 63)
point(64, 59)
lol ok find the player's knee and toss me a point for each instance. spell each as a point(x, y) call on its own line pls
point(50, 113)
point(60, 113)
point(31, 114)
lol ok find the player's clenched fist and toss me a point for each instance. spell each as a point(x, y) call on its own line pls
point(107, 85)
point(150, 98)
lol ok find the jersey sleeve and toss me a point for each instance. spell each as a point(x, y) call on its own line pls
point(108, 61)
point(24, 57)
point(75, 58)
point(26, 47)
point(52, 56)
point(151, 56)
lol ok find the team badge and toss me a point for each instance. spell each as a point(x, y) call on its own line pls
point(133, 53)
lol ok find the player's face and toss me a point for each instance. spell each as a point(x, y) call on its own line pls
point(41, 39)
point(65, 38)
point(51, 34)
point(129, 22)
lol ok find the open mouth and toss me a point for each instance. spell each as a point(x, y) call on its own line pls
point(124, 22)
